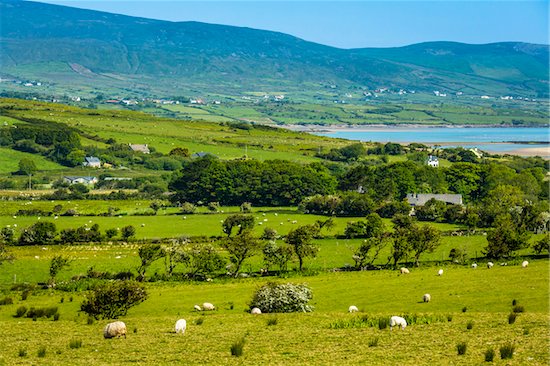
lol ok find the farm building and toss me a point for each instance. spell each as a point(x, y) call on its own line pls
point(420, 199)
point(92, 162)
point(142, 148)
point(78, 179)
point(433, 161)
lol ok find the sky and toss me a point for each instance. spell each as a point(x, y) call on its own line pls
point(355, 24)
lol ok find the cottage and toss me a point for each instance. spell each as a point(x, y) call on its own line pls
point(92, 162)
point(433, 161)
point(202, 154)
point(140, 148)
point(420, 199)
point(78, 179)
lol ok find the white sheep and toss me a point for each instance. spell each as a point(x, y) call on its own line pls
point(474, 265)
point(404, 270)
point(208, 306)
point(353, 309)
point(181, 325)
point(426, 298)
point(490, 265)
point(197, 308)
point(397, 321)
point(440, 272)
point(524, 264)
point(114, 329)
point(255, 311)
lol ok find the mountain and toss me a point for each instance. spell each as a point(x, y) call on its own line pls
point(98, 50)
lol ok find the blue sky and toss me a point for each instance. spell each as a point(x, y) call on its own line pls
point(354, 24)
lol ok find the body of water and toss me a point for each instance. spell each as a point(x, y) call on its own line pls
point(491, 139)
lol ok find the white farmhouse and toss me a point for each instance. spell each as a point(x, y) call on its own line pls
point(92, 162)
point(433, 161)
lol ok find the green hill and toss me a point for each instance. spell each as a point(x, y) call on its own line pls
point(96, 51)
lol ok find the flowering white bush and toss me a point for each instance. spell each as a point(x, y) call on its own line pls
point(282, 298)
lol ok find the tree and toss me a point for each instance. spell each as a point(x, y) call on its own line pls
point(243, 222)
point(433, 210)
point(423, 239)
point(6, 239)
point(506, 238)
point(240, 248)
point(175, 255)
point(112, 300)
point(148, 254)
point(156, 205)
point(277, 254)
point(41, 233)
point(543, 244)
point(57, 263)
point(127, 232)
point(301, 240)
point(204, 260)
point(27, 166)
point(362, 256)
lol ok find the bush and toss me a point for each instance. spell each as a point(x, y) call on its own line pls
point(282, 298)
point(512, 318)
point(237, 347)
point(489, 355)
point(112, 300)
point(507, 351)
point(75, 343)
point(461, 348)
point(518, 309)
point(6, 301)
point(470, 324)
point(20, 311)
point(35, 313)
point(188, 208)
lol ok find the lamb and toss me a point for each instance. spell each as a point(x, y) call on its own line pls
point(208, 306)
point(524, 264)
point(404, 270)
point(474, 265)
point(426, 297)
point(490, 265)
point(181, 325)
point(353, 309)
point(197, 308)
point(115, 329)
point(255, 311)
point(397, 321)
point(440, 272)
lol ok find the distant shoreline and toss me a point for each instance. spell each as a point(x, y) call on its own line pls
point(381, 127)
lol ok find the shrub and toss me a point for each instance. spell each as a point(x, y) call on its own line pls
point(512, 318)
point(112, 300)
point(237, 347)
point(41, 351)
point(507, 351)
point(20, 311)
point(489, 355)
point(272, 321)
point(461, 348)
point(518, 309)
point(470, 324)
point(282, 298)
point(75, 343)
point(35, 313)
point(373, 342)
point(6, 301)
point(188, 208)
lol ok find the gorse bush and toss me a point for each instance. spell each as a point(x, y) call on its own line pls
point(282, 298)
point(507, 351)
point(112, 300)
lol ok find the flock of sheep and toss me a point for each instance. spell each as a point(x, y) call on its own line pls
point(118, 328)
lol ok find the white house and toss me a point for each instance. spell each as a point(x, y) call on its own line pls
point(433, 161)
point(79, 179)
point(140, 148)
point(420, 199)
point(92, 162)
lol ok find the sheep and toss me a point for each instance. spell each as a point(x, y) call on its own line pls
point(197, 308)
point(115, 329)
point(426, 298)
point(474, 265)
point(490, 265)
point(404, 270)
point(181, 325)
point(255, 311)
point(208, 306)
point(524, 264)
point(397, 321)
point(440, 272)
point(353, 309)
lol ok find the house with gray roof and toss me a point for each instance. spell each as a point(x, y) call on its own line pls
point(80, 179)
point(420, 199)
point(92, 162)
point(142, 148)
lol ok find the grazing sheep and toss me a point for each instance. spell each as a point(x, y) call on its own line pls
point(440, 272)
point(114, 329)
point(181, 325)
point(490, 265)
point(524, 264)
point(208, 306)
point(353, 309)
point(474, 265)
point(255, 311)
point(397, 321)
point(197, 308)
point(404, 270)
point(426, 297)
point(504, 264)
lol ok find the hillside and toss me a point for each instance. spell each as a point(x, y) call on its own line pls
point(101, 52)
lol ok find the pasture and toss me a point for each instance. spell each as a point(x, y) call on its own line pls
point(302, 338)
